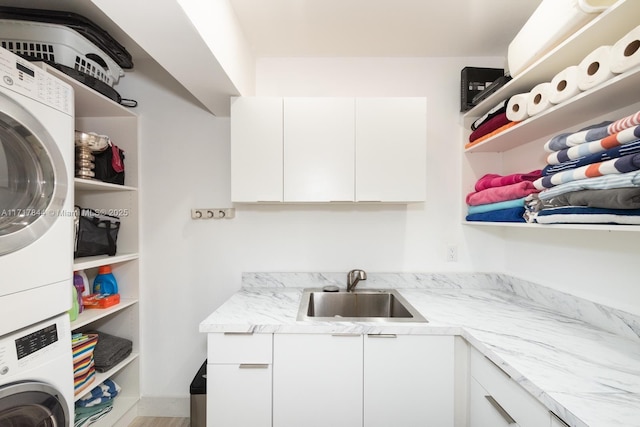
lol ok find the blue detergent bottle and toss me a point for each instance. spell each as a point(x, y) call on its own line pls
point(105, 283)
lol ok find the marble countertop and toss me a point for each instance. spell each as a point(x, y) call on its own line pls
point(587, 375)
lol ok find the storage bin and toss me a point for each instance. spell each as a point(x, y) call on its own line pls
point(198, 390)
point(474, 80)
point(549, 25)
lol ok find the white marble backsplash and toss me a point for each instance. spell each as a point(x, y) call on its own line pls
point(607, 318)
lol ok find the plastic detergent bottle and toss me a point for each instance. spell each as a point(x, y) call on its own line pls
point(78, 283)
point(105, 283)
point(75, 309)
point(85, 282)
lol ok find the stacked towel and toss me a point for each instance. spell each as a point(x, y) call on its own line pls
point(96, 403)
point(84, 371)
point(110, 351)
point(499, 198)
point(592, 176)
point(491, 124)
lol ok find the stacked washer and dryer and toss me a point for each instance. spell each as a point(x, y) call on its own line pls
point(36, 245)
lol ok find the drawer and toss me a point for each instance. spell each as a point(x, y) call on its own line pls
point(514, 399)
point(234, 348)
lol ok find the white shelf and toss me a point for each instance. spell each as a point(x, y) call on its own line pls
point(90, 315)
point(616, 93)
point(606, 29)
point(101, 376)
point(81, 184)
point(96, 261)
point(595, 227)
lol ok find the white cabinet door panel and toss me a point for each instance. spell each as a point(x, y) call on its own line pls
point(408, 381)
point(238, 395)
point(256, 149)
point(391, 149)
point(319, 149)
point(317, 380)
point(482, 412)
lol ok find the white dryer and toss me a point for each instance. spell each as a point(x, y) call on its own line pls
point(36, 375)
point(36, 193)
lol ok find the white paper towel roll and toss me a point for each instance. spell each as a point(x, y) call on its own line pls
point(539, 99)
point(595, 68)
point(517, 107)
point(564, 85)
point(625, 54)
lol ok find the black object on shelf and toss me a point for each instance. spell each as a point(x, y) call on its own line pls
point(501, 81)
point(474, 80)
point(78, 23)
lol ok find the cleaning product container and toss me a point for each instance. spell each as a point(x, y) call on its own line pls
point(105, 283)
point(549, 25)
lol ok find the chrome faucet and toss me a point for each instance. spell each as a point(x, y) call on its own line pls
point(353, 277)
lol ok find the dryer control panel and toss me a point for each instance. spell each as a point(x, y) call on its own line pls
point(23, 77)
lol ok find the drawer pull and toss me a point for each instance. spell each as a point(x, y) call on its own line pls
point(501, 410)
point(382, 335)
point(239, 333)
point(560, 420)
point(253, 366)
point(345, 335)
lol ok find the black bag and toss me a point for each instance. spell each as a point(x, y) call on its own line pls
point(96, 233)
point(109, 165)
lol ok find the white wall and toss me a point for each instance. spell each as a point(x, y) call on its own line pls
point(190, 267)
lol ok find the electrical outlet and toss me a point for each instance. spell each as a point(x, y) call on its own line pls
point(452, 253)
point(213, 213)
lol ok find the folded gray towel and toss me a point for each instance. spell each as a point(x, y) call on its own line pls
point(110, 351)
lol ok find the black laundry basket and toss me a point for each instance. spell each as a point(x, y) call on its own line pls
point(198, 392)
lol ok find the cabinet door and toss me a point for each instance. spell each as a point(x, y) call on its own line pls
point(238, 395)
point(484, 412)
point(408, 381)
point(317, 380)
point(391, 149)
point(319, 149)
point(256, 149)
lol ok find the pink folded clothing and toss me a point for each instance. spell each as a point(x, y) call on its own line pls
point(501, 194)
point(488, 127)
point(494, 180)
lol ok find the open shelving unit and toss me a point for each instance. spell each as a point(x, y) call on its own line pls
point(97, 113)
point(520, 148)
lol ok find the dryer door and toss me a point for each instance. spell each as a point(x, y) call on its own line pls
point(32, 404)
point(33, 178)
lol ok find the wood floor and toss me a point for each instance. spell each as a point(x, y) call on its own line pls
point(159, 422)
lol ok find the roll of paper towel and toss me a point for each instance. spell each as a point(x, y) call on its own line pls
point(595, 68)
point(517, 107)
point(539, 99)
point(625, 54)
point(564, 85)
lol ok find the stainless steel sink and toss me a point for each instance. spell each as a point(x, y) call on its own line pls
point(362, 306)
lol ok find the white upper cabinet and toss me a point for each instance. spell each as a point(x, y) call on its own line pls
point(319, 149)
point(298, 150)
point(256, 149)
point(391, 151)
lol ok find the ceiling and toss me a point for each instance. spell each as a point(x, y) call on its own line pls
point(381, 28)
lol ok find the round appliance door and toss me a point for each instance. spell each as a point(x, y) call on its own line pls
point(32, 404)
point(33, 177)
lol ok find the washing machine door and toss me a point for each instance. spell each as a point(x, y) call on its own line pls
point(32, 404)
point(33, 177)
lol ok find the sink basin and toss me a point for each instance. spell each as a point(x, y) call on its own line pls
point(362, 306)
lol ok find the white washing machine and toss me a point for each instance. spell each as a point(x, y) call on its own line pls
point(36, 194)
point(36, 371)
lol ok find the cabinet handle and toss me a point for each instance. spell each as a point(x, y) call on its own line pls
point(345, 335)
point(382, 335)
point(501, 410)
point(239, 333)
point(253, 366)
point(560, 420)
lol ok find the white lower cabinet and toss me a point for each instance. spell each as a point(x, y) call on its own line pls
point(317, 380)
point(496, 400)
point(239, 373)
point(408, 381)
